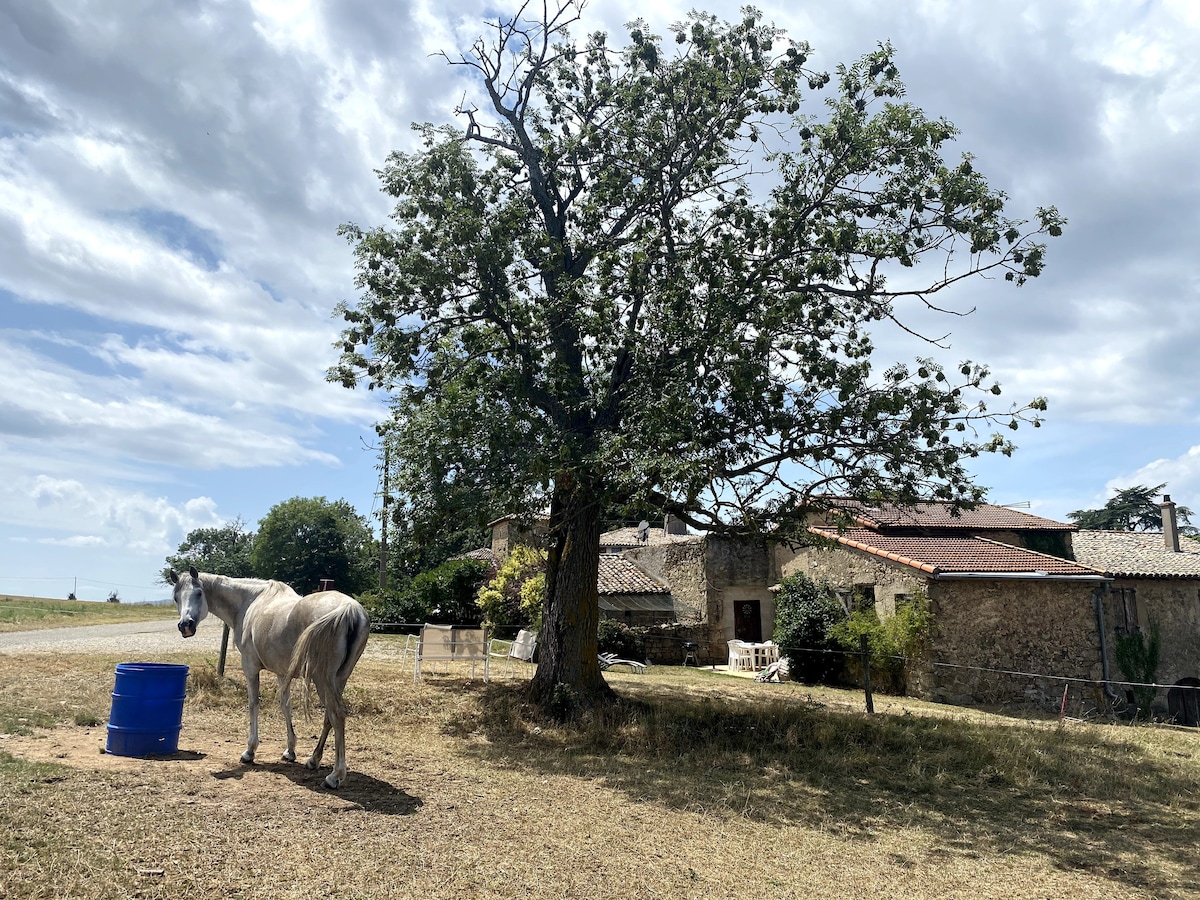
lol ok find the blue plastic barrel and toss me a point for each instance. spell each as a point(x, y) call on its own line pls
point(147, 709)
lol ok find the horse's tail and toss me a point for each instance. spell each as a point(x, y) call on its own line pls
point(327, 651)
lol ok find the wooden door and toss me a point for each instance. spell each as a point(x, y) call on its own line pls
point(747, 621)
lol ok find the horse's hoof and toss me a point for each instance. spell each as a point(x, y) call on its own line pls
point(332, 782)
point(248, 756)
point(312, 764)
point(288, 756)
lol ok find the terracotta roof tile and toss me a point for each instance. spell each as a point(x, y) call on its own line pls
point(619, 575)
point(954, 555)
point(1137, 554)
point(942, 516)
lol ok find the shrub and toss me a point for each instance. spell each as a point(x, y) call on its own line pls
point(514, 597)
point(620, 639)
point(805, 614)
point(393, 605)
point(447, 594)
point(891, 641)
point(1138, 660)
point(444, 595)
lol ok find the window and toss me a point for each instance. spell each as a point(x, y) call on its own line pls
point(863, 598)
point(1125, 611)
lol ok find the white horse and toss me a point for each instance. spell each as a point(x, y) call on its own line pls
point(319, 638)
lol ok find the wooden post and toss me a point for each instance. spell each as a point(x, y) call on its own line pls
point(224, 650)
point(866, 664)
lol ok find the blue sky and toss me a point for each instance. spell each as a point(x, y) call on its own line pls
point(172, 176)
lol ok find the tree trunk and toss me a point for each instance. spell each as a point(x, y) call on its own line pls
point(568, 677)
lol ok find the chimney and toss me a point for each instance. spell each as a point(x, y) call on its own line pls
point(1170, 526)
point(673, 525)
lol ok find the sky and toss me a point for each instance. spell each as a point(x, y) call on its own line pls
point(173, 174)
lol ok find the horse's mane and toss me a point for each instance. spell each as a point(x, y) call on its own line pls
point(238, 585)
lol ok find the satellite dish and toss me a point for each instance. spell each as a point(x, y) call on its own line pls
point(643, 532)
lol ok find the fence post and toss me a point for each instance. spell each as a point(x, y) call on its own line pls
point(866, 664)
point(224, 650)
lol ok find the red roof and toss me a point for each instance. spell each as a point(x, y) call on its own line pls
point(953, 555)
point(943, 516)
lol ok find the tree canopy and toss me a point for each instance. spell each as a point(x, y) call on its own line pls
point(649, 274)
point(305, 539)
point(224, 550)
point(1132, 509)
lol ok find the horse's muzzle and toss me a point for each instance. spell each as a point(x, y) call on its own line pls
point(187, 628)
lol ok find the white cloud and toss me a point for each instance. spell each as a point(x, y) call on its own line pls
point(86, 514)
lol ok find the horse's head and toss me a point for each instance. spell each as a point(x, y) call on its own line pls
point(189, 600)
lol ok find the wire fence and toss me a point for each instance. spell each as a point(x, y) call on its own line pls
point(1075, 697)
point(1081, 697)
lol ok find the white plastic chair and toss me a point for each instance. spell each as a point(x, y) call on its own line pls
point(741, 656)
point(520, 648)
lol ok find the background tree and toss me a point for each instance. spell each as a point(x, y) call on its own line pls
point(1132, 509)
point(436, 508)
point(224, 551)
point(302, 540)
point(646, 275)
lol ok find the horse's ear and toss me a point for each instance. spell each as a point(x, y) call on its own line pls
point(173, 577)
point(192, 571)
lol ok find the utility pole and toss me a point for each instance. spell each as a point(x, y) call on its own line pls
point(383, 522)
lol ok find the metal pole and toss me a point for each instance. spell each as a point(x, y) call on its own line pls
point(866, 664)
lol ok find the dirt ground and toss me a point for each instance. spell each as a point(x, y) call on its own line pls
point(445, 800)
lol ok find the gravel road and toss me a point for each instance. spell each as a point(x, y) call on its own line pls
point(144, 640)
point(141, 638)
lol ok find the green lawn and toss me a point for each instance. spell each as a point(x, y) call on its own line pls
point(32, 613)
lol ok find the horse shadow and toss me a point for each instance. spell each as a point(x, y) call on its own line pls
point(360, 791)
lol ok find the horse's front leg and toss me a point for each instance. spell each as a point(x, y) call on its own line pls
point(252, 688)
point(285, 705)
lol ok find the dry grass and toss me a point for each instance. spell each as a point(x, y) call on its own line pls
point(35, 613)
point(696, 785)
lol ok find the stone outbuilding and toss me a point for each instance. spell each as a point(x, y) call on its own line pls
point(1011, 624)
point(1155, 586)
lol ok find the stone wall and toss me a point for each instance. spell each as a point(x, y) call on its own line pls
point(1042, 627)
point(1045, 628)
point(1173, 604)
point(706, 578)
point(680, 566)
point(844, 569)
point(736, 571)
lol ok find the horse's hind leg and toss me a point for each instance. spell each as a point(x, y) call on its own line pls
point(335, 778)
point(314, 761)
point(285, 705)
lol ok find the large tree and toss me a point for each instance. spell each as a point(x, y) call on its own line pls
point(1131, 509)
point(224, 551)
point(305, 539)
point(648, 275)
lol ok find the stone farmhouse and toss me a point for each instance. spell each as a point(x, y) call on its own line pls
point(1023, 606)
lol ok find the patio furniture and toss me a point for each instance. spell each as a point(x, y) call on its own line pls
point(521, 648)
point(447, 644)
point(741, 656)
point(765, 654)
point(608, 660)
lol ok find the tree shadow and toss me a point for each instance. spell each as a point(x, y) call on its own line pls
point(1088, 800)
point(360, 791)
